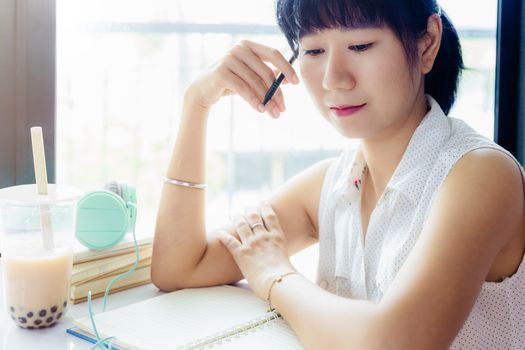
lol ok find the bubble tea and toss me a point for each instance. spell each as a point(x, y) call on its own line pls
point(36, 242)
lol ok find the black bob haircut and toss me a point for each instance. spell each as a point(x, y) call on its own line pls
point(408, 19)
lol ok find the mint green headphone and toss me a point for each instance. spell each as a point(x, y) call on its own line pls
point(104, 217)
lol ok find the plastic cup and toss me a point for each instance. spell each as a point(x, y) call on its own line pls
point(37, 276)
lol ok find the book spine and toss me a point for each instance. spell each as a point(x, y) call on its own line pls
point(99, 286)
point(112, 291)
point(106, 268)
point(86, 255)
point(86, 275)
point(233, 331)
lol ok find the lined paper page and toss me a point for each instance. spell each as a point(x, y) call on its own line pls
point(173, 320)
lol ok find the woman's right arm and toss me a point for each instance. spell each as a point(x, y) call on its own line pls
point(183, 255)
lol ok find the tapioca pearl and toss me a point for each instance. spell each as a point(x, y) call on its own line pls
point(38, 321)
point(49, 319)
point(42, 313)
point(41, 327)
point(30, 314)
point(54, 309)
point(22, 320)
point(65, 303)
point(59, 315)
point(30, 327)
point(12, 309)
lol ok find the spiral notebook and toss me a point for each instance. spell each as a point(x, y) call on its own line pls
point(224, 317)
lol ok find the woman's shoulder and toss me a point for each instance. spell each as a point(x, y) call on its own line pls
point(468, 149)
point(464, 140)
point(488, 173)
point(461, 133)
point(493, 162)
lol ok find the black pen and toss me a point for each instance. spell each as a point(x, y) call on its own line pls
point(276, 83)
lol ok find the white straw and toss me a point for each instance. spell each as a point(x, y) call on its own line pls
point(39, 161)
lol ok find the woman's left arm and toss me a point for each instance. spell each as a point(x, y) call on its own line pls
point(473, 216)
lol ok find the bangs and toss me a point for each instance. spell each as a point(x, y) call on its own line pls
point(297, 18)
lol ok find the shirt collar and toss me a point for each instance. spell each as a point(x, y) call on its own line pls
point(422, 150)
point(348, 186)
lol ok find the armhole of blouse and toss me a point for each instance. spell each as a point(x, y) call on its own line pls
point(490, 285)
point(494, 147)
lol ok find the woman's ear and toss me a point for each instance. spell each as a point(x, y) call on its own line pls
point(428, 45)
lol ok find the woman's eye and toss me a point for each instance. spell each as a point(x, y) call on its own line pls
point(313, 52)
point(360, 48)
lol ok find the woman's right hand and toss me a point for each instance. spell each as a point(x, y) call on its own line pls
point(243, 71)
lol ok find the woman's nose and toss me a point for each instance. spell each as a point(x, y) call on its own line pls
point(337, 75)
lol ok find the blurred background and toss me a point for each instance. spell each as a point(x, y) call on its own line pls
point(121, 70)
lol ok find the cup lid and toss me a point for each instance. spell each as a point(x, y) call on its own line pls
point(28, 194)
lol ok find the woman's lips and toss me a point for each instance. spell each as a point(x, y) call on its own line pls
point(346, 111)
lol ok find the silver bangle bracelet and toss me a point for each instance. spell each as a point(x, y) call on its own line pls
point(184, 183)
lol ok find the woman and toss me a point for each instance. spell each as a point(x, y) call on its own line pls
point(421, 229)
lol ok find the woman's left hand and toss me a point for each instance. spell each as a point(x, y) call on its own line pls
point(261, 251)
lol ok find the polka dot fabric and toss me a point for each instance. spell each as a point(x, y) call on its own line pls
point(360, 266)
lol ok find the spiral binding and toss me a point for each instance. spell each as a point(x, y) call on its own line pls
point(231, 332)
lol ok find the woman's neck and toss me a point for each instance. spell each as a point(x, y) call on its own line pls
point(383, 155)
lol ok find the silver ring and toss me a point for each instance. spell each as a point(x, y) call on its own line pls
point(256, 224)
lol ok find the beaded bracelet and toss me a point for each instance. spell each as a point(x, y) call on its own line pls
point(276, 280)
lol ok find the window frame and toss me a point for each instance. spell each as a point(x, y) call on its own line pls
point(27, 87)
point(508, 116)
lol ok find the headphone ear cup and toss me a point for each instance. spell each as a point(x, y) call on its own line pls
point(128, 193)
point(102, 220)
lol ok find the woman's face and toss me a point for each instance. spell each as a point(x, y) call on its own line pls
point(360, 80)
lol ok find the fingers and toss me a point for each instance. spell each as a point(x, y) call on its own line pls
point(262, 219)
point(269, 217)
point(266, 74)
point(256, 82)
point(243, 229)
point(247, 61)
point(254, 219)
point(228, 241)
point(276, 72)
point(243, 89)
point(274, 56)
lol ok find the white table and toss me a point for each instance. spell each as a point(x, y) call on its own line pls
point(13, 337)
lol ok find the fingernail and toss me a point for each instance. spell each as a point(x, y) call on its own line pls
point(295, 79)
point(261, 107)
point(276, 112)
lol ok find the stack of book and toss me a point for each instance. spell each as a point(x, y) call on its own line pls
point(93, 270)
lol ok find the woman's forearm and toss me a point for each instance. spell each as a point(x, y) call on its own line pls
point(180, 232)
point(323, 320)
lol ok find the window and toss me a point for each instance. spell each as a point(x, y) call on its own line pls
point(122, 68)
point(475, 102)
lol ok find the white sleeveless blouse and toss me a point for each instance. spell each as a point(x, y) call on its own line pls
point(364, 269)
